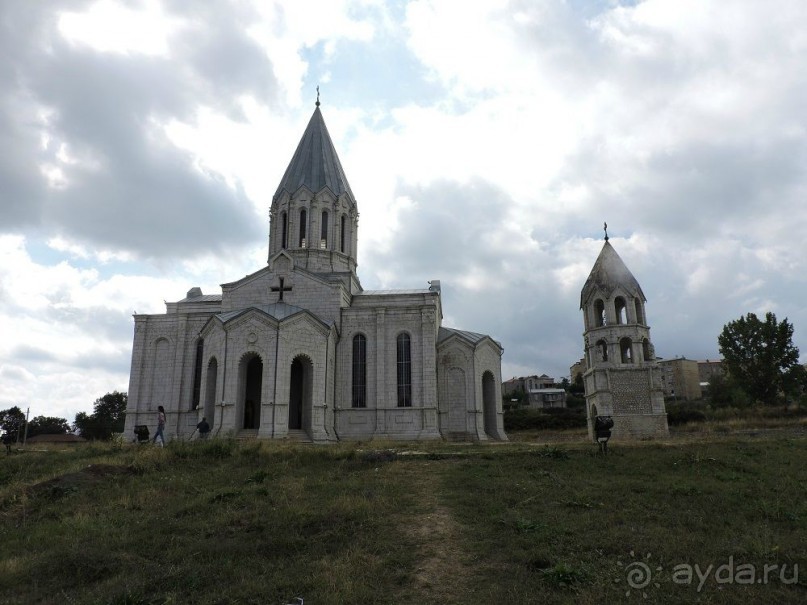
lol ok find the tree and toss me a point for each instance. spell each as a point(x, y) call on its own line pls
point(48, 425)
point(577, 387)
point(108, 417)
point(12, 421)
point(760, 356)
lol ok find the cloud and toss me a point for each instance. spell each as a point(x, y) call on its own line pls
point(98, 167)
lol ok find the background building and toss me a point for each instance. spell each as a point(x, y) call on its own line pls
point(680, 378)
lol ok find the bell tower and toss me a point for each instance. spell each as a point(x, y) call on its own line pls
point(314, 216)
point(622, 379)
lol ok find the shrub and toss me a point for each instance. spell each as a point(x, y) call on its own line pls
point(682, 413)
point(548, 419)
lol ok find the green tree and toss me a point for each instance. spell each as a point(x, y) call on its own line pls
point(48, 425)
point(760, 356)
point(12, 422)
point(108, 417)
point(577, 387)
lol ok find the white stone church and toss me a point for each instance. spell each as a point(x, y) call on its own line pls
point(299, 350)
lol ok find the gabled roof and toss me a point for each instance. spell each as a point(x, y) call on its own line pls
point(608, 272)
point(279, 311)
point(315, 164)
point(471, 337)
point(202, 298)
point(392, 292)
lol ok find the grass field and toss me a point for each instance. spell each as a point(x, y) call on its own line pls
point(230, 522)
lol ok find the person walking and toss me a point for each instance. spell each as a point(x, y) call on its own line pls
point(204, 429)
point(160, 426)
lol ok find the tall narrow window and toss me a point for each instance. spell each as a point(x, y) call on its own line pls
point(626, 350)
point(599, 313)
point(359, 371)
point(602, 350)
point(303, 220)
point(323, 237)
point(621, 310)
point(284, 231)
point(404, 371)
point(197, 374)
point(639, 314)
point(342, 234)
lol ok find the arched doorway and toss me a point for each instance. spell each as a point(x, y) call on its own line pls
point(253, 381)
point(489, 403)
point(300, 383)
point(210, 392)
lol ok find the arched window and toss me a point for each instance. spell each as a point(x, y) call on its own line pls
point(404, 355)
point(197, 374)
point(599, 313)
point(284, 230)
point(619, 308)
point(303, 226)
point(602, 350)
point(646, 350)
point(323, 237)
point(639, 311)
point(625, 349)
point(342, 230)
point(359, 371)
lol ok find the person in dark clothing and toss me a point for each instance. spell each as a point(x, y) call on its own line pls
point(602, 431)
point(204, 429)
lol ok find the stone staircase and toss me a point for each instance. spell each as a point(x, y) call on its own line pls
point(295, 435)
point(298, 436)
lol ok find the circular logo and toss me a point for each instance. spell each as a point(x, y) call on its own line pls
point(638, 575)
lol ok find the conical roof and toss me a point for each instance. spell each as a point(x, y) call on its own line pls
point(608, 272)
point(315, 164)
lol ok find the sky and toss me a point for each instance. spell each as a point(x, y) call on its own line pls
point(486, 142)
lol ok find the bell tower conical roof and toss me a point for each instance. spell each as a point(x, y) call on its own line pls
point(608, 272)
point(315, 164)
point(314, 217)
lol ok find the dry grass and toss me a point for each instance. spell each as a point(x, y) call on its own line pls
point(224, 522)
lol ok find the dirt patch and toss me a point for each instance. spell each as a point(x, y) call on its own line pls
point(442, 573)
point(73, 482)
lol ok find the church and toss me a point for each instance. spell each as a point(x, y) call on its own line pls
point(299, 350)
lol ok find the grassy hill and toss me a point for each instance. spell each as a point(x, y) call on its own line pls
point(229, 522)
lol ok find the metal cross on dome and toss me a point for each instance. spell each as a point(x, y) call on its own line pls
point(605, 228)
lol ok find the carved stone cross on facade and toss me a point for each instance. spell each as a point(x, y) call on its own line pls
point(280, 290)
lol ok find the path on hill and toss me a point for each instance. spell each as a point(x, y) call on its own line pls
point(441, 574)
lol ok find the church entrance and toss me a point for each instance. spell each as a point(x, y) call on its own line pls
point(489, 404)
point(253, 382)
point(299, 392)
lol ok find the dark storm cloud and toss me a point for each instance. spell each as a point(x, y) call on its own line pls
point(453, 231)
point(118, 362)
point(25, 354)
point(131, 189)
